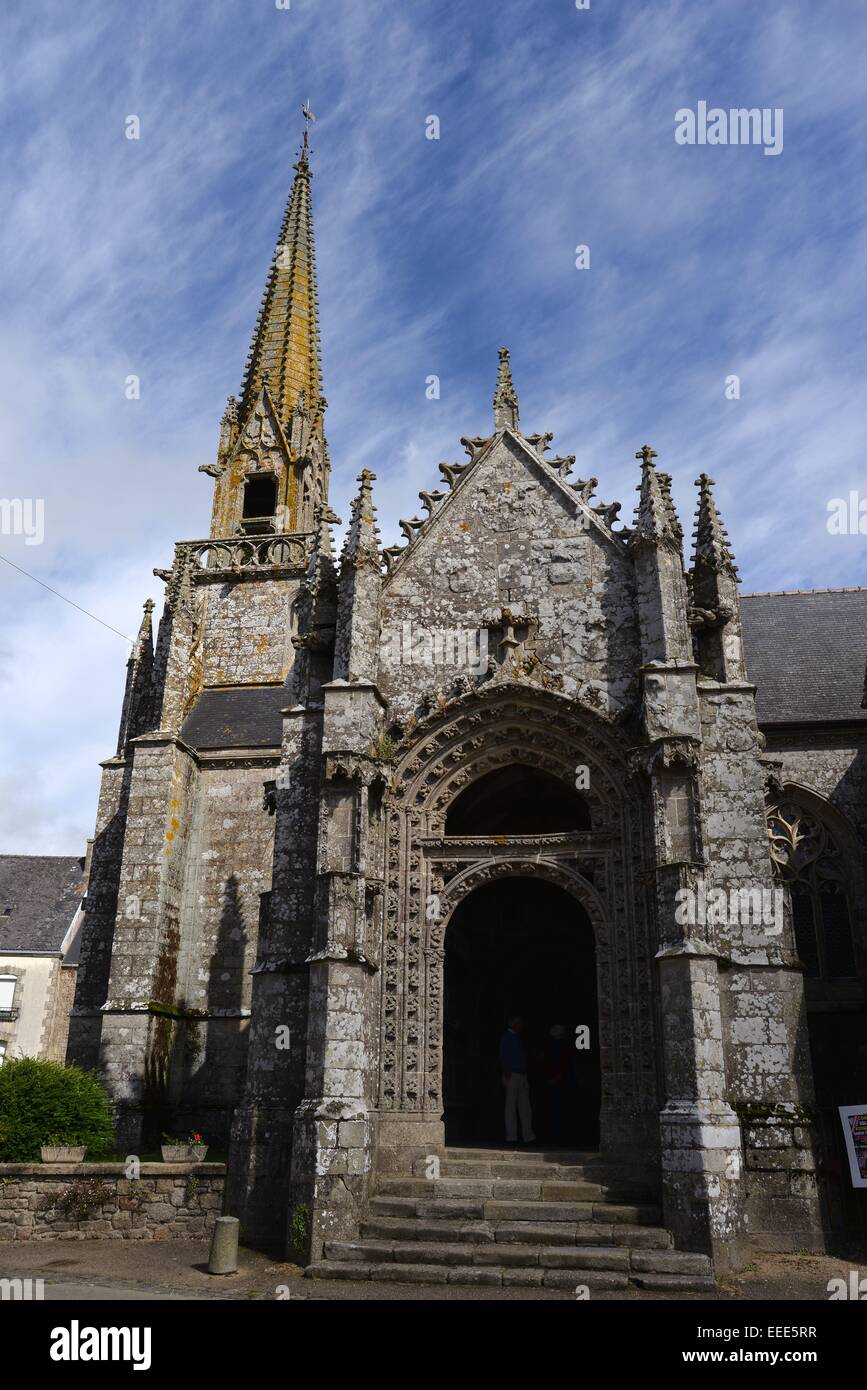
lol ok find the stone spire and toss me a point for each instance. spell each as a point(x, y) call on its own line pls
point(138, 695)
point(505, 396)
point(362, 545)
point(356, 654)
point(321, 578)
point(656, 520)
point(285, 347)
point(177, 667)
point(656, 544)
point(716, 612)
point(712, 549)
point(673, 519)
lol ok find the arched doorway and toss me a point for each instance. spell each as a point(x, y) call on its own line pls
point(520, 946)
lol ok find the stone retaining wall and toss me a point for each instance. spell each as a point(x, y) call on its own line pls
point(167, 1201)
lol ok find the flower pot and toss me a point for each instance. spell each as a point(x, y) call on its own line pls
point(63, 1153)
point(183, 1153)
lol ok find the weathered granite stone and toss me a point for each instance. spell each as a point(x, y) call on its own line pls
point(273, 875)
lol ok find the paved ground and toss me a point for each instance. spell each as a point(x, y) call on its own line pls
point(173, 1270)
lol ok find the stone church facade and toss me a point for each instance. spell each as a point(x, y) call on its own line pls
point(359, 810)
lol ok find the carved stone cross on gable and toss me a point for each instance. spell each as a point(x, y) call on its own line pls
point(509, 634)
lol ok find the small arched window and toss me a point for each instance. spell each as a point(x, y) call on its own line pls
point(806, 856)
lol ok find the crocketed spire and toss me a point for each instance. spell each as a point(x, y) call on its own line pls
point(285, 347)
point(712, 548)
point(362, 545)
point(656, 520)
point(505, 396)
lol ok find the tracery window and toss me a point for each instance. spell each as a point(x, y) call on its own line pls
point(807, 857)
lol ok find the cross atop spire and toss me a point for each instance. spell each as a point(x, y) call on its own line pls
point(505, 396)
point(285, 348)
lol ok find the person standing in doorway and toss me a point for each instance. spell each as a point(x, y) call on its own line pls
point(513, 1064)
point(562, 1085)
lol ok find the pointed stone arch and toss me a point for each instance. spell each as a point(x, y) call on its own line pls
point(604, 869)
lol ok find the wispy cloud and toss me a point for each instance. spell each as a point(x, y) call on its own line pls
point(147, 257)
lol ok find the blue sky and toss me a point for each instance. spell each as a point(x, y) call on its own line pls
point(557, 129)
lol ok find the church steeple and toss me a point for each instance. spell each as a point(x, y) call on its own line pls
point(285, 342)
point(272, 463)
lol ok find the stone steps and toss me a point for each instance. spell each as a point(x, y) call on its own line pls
point(534, 1233)
point(507, 1263)
point(532, 1172)
point(505, 1217)
point(437, 1207)
point(521, 1154)
point(524, 1188)
point(519, 1189)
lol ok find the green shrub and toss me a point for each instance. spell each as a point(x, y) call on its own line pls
point(41, 1100)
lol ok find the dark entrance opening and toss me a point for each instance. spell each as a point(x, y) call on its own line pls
point(520, 946)
point(260, 495)
point(517, 800)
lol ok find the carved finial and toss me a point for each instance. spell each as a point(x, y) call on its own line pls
point(229, 425)
point(144, 641)
point(656, 520)
point(712, 549)
point(362, 546)
point(674, 519)
point(505, 396)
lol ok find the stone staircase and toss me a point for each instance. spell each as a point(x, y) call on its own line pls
point(514, 1217)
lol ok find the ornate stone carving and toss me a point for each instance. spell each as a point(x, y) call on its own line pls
point(428, 875)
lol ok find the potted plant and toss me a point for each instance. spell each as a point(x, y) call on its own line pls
point(190, 1150)
point(58, 1149)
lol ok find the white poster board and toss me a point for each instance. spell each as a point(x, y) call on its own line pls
point(854, 1121)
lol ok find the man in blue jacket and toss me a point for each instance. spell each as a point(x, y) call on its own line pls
point(513, 1063)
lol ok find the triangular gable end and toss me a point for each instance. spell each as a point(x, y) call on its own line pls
point(575, 497)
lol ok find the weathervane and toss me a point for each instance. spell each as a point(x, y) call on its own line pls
point(308, 117)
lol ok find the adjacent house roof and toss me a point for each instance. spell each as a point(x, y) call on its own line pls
point(806, 651)
point(39, 897)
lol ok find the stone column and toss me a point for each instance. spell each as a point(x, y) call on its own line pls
point(333, 1141)
point(138, 1013)
point(257, 1187)
point(700, 1133)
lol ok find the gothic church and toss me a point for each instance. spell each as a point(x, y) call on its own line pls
point(527, 761)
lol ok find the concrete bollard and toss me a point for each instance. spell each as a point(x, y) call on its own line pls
point(224, 1246)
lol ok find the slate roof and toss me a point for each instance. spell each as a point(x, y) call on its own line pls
point(806, 651)
point(43, 892)
point(244, 717)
